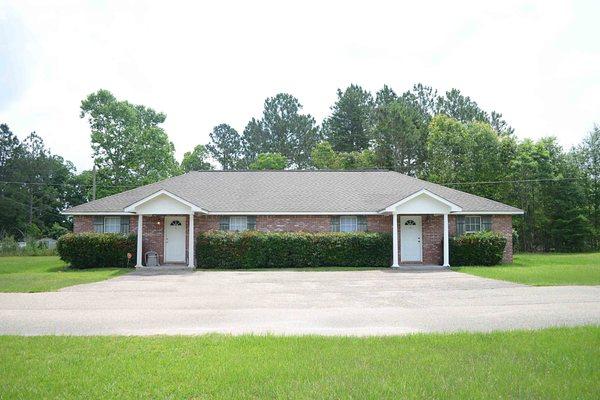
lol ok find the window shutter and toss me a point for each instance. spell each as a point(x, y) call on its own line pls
point(486, 222)
point(251, 222)
point(361, 221)
point(224, 224)
point(460, 225)
point(335, 224)
point(125, 224)
point(98, 224)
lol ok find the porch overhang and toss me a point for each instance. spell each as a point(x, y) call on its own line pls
point(422, 202)
point(163, 202)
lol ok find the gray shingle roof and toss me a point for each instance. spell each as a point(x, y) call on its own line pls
point(292, 191)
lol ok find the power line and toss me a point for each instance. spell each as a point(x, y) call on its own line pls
point(67, 184)
point(513, 181)
point(90, 185)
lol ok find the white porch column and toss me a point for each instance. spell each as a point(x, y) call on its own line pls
point(395, 240)
point(138, 262)
point(446, 244)
point(191, 242)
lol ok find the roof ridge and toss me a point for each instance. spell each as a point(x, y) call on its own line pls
point(297, 170)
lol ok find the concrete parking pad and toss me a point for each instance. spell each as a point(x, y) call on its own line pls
point(370, 302)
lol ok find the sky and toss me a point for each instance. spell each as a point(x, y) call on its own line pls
point(206, 63)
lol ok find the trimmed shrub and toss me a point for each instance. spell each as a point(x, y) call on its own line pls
point(253, 249)
point(96, 250)
point(480, 248)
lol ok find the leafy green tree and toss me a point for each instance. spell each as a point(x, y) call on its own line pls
point(34, 185)
point(282, 130)
point(587, 157)
point(425, 98)
point(269, 161)
point(226, 146)
point(460, 107)
point(365, 159)
point(324, 157)
point(532, 170)
point(448, 146)
point(385, 96)
point(456, 105)
point(57, 231)
point(255, 141)
point(566, 224)
point(349, 126)
point(196, 160)
point(129, 146)
point(399, 134)
point(471, 156)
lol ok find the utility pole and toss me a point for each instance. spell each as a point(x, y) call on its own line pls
point(94, 182)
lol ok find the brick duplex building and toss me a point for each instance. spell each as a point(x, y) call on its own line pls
point(420, 215)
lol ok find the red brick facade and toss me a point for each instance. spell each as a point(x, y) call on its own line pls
point(503, 224)
point(432, 229)
point(83, 223)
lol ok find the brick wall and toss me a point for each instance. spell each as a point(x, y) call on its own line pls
point(503, 225)
point(293, 223)
point(432, 238)
point(83, 223)
point(153, 235)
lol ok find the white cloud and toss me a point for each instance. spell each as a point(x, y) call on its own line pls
point(207, 63)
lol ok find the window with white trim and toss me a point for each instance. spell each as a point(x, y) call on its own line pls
point(111, 224)
point(238, 223)
point(472, 223)
point(348, 223)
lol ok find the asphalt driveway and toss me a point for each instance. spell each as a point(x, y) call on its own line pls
point(375, 302)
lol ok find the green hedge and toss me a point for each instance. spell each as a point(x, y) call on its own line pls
point(252, 249)
point(480, 248)
point(97, 250)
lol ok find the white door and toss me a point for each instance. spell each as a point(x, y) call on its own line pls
point(175, 239)
point(410, 239)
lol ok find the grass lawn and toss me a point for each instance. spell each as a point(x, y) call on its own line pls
point(545, 364)
point(544, 269)
point(43, 274)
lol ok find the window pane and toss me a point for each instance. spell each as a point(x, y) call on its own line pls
point(348, 224)
point(472, 224)
point(238, 223)
point(112, 224)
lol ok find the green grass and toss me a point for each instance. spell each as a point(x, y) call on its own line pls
point(544, 269)
point(544, 364)
point(46, 273)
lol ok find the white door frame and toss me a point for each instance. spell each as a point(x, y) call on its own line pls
point(167, 221)
point(403, 243)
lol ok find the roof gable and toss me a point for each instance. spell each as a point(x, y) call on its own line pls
point(163, 202)
point(422, 202)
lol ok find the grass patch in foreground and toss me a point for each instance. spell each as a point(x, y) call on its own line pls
point(544, 269)
point(550, 363)
point(47, 273)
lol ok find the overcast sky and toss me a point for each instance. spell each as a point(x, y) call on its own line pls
point(204, 63)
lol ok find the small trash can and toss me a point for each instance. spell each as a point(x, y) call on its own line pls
point(152, 259)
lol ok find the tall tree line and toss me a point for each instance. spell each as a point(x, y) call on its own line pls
point(35, 185)
point(446, 138)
